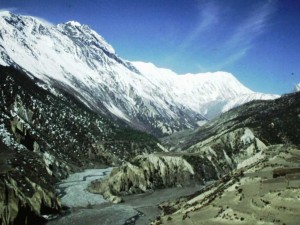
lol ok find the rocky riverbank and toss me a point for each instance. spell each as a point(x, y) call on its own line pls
point(92, 209)
point(155, 171)
point(73, 190)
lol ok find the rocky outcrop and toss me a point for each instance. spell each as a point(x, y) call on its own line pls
point(25, 202)
point(150, 172)
point(230, 148)
point(235, 140)
point(251, 195)
point(206, 161)
point(26, 192)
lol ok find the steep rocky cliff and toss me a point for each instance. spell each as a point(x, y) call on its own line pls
point(26, 191)
point(23, 201)
point(150, 172)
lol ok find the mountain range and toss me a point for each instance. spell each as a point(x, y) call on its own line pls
point(68, 103)
point(74, 58)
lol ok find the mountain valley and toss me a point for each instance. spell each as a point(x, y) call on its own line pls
point(168, 148)
point(46, 136)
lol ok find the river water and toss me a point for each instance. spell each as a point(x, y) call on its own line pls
point(72, 190)
point(91, 209)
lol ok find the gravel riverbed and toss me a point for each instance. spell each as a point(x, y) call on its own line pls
point(92, 209)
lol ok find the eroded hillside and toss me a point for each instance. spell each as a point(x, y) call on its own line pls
point(265, 192)
point(252, 153)
point(45, 135)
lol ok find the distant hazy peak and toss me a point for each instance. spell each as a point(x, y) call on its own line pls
point(216, 80)
point(151, 69)
point(297, 87)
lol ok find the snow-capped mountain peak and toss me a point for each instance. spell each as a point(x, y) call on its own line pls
point(73, 23)
point(85, 34)
point(74, 57)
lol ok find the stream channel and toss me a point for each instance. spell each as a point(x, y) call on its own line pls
point(86, 208)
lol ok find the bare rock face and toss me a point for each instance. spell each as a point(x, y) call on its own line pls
point(230, 148)
point(205, 161)
point(104, 190)
point(26, 193)
point(154, 171)
point(25, 204)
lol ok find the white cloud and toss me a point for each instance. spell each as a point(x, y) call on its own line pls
point(232, 58)
point(208, 16)
point(242, 40)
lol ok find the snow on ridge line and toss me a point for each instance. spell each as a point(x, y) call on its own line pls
point(74, 23)
point(83, 61)
point(214, 84)
point(242, 99)
point(150, 68)
point(38, 20)
point(4, 13)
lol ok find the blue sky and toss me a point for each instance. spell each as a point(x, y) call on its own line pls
point(256, 40)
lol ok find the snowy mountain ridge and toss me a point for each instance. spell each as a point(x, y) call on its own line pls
point(74, 57)
point(297, 87)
